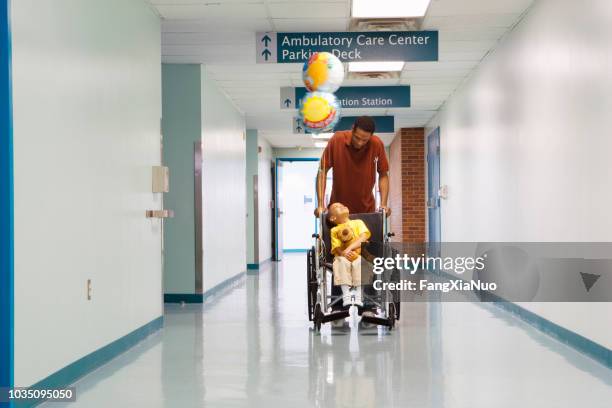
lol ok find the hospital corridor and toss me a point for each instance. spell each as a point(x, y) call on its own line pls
point(305, 203)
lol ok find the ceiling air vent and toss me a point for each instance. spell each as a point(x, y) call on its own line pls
point(386, 24)
point(374, 75)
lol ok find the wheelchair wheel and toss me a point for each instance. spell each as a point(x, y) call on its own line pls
point(397, 310)
point(311, 283)
point(318, 316)
point(391, 315)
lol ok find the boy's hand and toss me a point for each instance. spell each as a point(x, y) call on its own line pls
point(350, 255)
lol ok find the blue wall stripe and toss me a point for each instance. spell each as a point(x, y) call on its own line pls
point(256, 266)
point(6, 203)
point(71, 373)
point(201, 297)
point(572, 339)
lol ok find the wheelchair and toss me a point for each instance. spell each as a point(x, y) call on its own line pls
point(325, 300)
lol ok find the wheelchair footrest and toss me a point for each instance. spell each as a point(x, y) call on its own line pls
point(343, 314)
point(376, 320)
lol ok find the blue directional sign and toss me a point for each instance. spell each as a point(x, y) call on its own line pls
point(364, 97)
point(384, 124)
point(348, 46)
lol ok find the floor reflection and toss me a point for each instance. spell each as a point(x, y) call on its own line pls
point(253, 346)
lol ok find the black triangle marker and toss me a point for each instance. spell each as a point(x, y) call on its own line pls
point(589, 279)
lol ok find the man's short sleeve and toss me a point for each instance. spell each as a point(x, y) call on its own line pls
point(383, 163)
point(327, 159)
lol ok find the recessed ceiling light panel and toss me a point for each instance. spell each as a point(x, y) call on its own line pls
point(376, 66)
point(389, 8)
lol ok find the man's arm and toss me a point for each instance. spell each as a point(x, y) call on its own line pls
point(383, 185)
point(321, 180)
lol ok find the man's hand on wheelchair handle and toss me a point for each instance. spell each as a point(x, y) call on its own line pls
point(318, 211)
point(386, 209)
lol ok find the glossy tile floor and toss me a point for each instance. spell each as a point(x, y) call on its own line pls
point(253, 347)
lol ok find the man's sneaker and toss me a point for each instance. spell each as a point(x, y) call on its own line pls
point(367, 325)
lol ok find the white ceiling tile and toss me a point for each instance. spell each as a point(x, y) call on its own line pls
point(208, 38)
point(466, 7)
point(310, 24)
point(480, 20)
point(216, 10)
point(203, 25)
point(157, 3)
point(309, 10)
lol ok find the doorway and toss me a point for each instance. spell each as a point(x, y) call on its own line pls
point(295, 201)
point(433, 191)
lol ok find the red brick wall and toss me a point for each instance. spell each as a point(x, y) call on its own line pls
point(395, 188)
point(410, 182)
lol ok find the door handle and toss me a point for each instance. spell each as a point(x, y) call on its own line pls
point(159, 213)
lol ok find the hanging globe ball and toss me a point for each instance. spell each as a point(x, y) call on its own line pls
point(323, 72)
point(319, 111)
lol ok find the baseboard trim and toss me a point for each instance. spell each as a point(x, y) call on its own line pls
point(83, 366)
point(201, 297)
point(568, 337)
point(256, 266)
point(584, 345)
point(183, 297)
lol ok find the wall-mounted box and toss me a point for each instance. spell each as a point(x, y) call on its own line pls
point(161, 179)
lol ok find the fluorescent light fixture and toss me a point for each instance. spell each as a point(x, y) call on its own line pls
point(377, 66)
point(325, 136)
point(321, 145)
point(389, 8)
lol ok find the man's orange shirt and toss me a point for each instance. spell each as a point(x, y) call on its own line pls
point(354, 171)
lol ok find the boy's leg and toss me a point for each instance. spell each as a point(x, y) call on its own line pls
point(356, 278)
point(342, 277)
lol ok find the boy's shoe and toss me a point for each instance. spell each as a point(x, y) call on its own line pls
point(366, 325)
point(346, 300)
point(358, 300)
point(336, 324)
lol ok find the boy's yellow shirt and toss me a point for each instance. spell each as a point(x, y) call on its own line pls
point(358, 227)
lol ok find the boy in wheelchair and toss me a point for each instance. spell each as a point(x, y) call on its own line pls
point(346, 239)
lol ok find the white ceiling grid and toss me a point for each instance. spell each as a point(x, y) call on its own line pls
point(221, 35)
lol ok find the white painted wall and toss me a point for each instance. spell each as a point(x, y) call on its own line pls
point(87, 107)
point(525, 144)
point(265, 160)
point(224, 186)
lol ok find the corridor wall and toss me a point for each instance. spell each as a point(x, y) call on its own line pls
point(182, 128)
point(87, 108)
point(525, 144)
point(195, 110)
point(223, 185)
point(264, 164)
